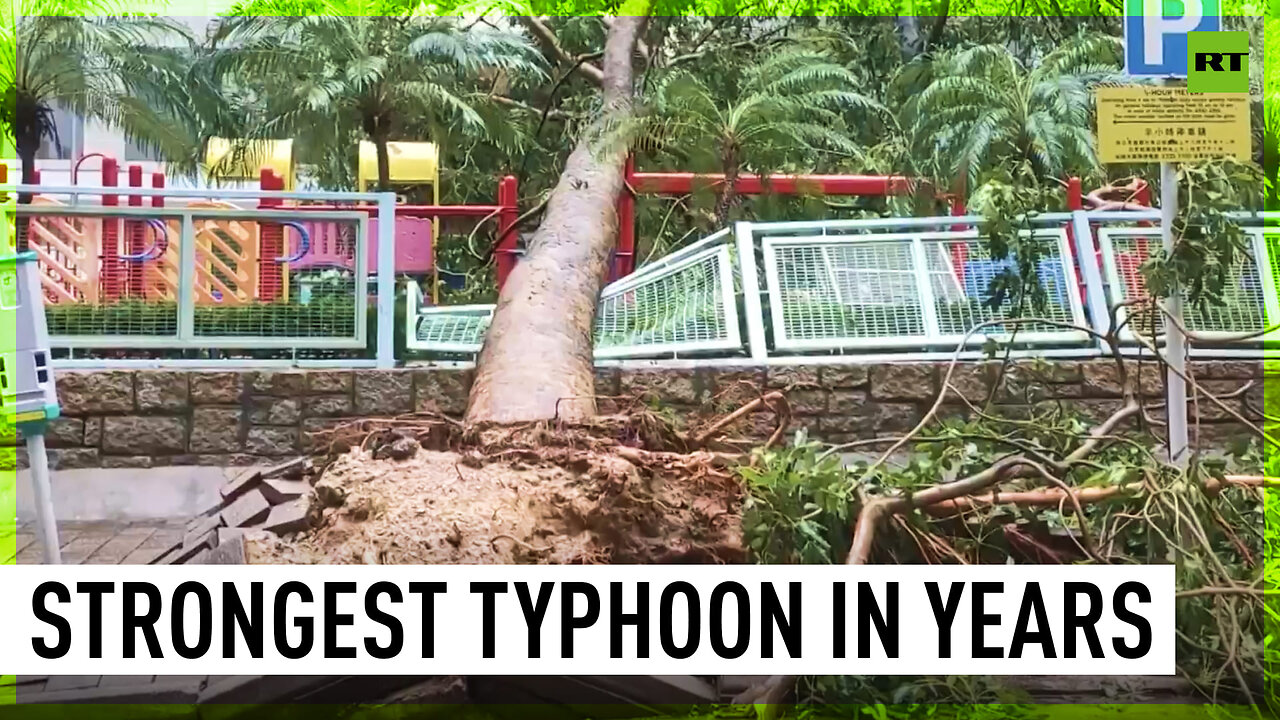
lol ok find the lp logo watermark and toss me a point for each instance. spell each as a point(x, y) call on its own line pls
point(1219, 62)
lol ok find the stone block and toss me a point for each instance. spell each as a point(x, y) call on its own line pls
point(971, 381)
point(64, 432)
point(95, 391)
point(279, 490)
point(327, 406)
point(798, 376)
point(329, 381)
point(291, 517)
point(93, 432)
point(808, 402)
point(845, 376)
point(848, 403)
point(246, 510)
point(275, 411)
point(606, 381)
point(664, 387)
point(161, 390)
point(280, 383)
point(735, 388)
point(1227, 369)
point(139, 461)
point(270, 440)
point(1047, 371)
point(66, 458)
point(216, 388)
point(139, 435)
point(871, 418)
point(1102, 378)
point(215, 430)
point(903, 381)
point(444, 391)
point(383, 392)
point(307, 440)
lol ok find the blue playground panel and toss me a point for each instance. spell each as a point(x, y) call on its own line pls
point(979, 273)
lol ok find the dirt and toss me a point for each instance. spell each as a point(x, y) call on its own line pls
point(535, 497)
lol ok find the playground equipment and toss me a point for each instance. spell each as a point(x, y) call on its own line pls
point(415, 176)
point(243, 161)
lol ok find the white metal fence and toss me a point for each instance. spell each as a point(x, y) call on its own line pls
point(778, 292)
point(684, 304)
point(1247, 302)
point(194, 276)
point(912, 290)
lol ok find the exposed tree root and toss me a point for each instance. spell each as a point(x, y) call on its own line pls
point(423, 488)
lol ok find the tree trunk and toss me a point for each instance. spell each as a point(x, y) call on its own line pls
point(27, 147)
point(729, 166)
point(384, 163)
point(536, 363)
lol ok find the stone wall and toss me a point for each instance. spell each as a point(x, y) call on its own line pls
point(145, 418)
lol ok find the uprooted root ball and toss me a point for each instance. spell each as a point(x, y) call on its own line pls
point(557, 505)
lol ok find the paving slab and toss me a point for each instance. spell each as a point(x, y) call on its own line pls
point(121, 545)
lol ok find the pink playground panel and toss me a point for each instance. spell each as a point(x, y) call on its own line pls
point(330, 247)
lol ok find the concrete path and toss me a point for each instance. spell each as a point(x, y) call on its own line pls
point(129, 494)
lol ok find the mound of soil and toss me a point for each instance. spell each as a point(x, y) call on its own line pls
point(572, 501)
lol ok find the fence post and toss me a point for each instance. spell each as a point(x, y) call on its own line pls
point(187, 277)
point(624, 258)
point(386, 352)
point(756, 342)
point(270, 242)
point(110, 248)
point(1095, 296)
point(136, 240)
point(508, 233)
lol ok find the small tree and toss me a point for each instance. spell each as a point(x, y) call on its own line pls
point(397, 75)
point(127, 72)
point(981, 108)
point(788, 106)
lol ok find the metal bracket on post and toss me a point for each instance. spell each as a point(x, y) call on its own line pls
point(386, 302)
point(756, 342)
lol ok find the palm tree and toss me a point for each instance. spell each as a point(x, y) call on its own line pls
point(383, 77)
point(787, 107)
point(127, 72)
point(982, 109)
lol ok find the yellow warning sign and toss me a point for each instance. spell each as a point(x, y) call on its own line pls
point(1164, 124)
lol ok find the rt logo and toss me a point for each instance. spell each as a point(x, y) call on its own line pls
point(1219, 62)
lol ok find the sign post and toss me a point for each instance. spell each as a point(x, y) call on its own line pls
point(1156, 35)
point(1175, 344)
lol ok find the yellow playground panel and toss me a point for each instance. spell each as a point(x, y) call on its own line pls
point(244, 160)
point(410, 164)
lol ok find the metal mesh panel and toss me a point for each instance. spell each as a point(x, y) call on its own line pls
point(897, 290)
point(248, 283)
point(452, 329)
point(1241, 311)
point(961, 273)
point(207, 275)
point(855, 290)
point(683, 307)
point(107, 276)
